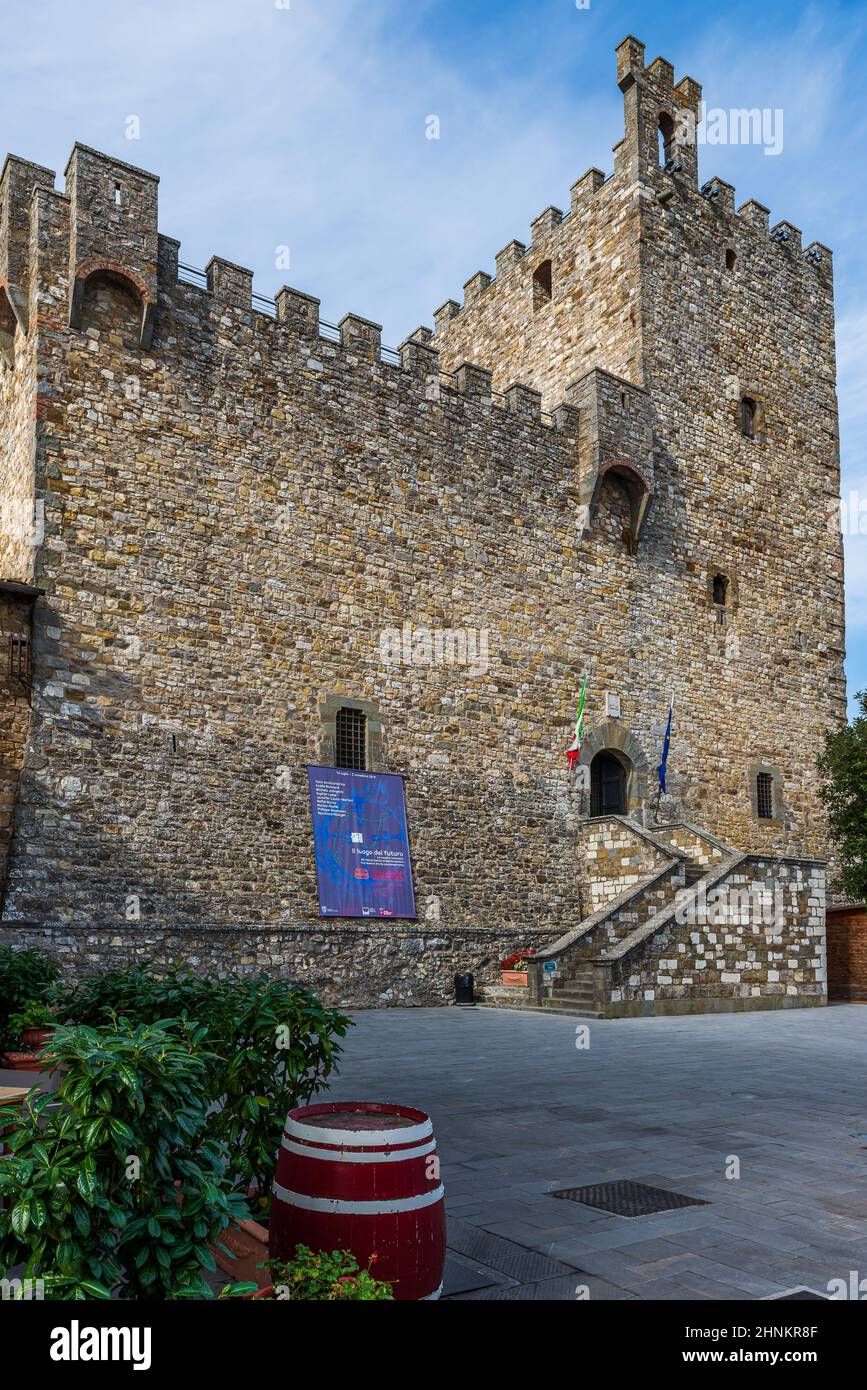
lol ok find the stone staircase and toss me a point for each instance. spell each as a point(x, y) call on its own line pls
point(575, 994)
point(687, 857)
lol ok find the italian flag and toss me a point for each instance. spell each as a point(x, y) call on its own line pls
point(573, 752)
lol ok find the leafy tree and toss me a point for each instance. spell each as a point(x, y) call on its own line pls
point(843, 768)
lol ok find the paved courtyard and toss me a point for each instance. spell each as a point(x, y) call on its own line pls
point(520, 1111)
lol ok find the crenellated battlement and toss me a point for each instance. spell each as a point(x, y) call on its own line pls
point(656, 163)
point(104, 226)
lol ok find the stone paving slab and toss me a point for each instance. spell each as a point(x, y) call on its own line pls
point(519, 1111)
point(505, 1256)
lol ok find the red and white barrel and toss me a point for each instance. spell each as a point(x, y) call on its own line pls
point(359, 1176)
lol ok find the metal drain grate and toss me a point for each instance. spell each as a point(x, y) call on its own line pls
point(626, 1198)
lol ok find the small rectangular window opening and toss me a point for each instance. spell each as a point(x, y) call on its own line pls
point(19, 658)
point(117, 195)
point(765, 796)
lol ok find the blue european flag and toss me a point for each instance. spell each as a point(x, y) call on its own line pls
point(663, 766)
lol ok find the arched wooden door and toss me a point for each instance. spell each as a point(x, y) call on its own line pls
point(607, 786)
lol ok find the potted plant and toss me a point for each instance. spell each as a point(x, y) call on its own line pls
point(514, 968)
point(325, 1276)
point(25, 975)
point(32, 1027)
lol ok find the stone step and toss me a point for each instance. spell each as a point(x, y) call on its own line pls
point(546, 1007)
point(573, 1008)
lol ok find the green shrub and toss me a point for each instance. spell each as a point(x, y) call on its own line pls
point(272, 1045)
point(327, 1275)
point(115, 1184)
point(25, 975)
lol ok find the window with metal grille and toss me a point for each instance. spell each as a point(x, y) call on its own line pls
point(765, 796)
point(19, 657)
point(351, 738)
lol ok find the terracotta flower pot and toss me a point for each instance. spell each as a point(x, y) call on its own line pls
point(246, 1249)
point(34, 1040)
point(514, 977)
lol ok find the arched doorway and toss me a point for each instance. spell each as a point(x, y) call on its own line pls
point(608, 785)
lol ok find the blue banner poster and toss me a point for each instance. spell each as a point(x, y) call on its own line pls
point(361, 843)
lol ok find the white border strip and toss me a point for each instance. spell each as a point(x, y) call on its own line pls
point(348, 1138)
point(357, 1156)
point(388, 1206)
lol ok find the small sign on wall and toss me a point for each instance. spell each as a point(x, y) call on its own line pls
point(612, 704)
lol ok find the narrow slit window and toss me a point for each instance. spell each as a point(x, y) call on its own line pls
point(720, 590)
point(765, 796)
point(666, 138)
point(117, 195)
point(351, 739)
point(749, 415)
point(731, 259)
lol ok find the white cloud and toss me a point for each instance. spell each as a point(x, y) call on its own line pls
point(306, 127)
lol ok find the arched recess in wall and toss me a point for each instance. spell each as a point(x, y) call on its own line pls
point(121, 282)
point(638, 492)
point(612, 737)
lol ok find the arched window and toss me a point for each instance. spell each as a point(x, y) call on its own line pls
point(543, 284)
point(720, 590)
point(666, 139)
point(350, 739)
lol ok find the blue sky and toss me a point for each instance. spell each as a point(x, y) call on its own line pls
point(302, 124)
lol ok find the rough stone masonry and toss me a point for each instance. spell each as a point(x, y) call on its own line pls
point(619, 456)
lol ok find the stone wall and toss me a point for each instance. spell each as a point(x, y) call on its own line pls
point(353, 967)
point(847, 952)
point(755, 940)
point(14, 714)
point(616, 857)
point(590, 319)
point(696, 846)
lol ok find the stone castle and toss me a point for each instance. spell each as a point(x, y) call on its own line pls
point(237, 540)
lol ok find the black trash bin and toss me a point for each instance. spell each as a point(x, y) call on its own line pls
point(464, 990)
